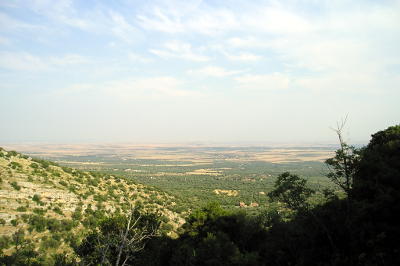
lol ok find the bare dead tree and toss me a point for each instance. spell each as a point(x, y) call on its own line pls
point(117, 239)
point(133, 238)
point(342, 165)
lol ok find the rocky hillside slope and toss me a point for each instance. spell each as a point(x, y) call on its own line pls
point(54, 206)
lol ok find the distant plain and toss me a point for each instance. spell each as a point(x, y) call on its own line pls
point(196, 173)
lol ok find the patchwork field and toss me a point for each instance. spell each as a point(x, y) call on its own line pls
point(196, 174)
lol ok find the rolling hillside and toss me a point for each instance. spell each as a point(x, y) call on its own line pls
point(53, 206)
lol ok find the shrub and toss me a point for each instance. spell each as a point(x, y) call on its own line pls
point(37, 223)
point(15, 185)
point(21, 209)
point(5, 242)
point(34, 165)
point(67, 169)
point(25, 217)
point(50, 243)
point(39, 211)
point(166, 228)
point(14, 222)
point(12, 153)
point(67, 225)
point(58, 210)
point(44, 163)
point(53, 225)
point(37, 199)
point(164, 219)
point(56, 174)
point(15, 165)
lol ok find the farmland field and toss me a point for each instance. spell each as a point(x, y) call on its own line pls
point(197, 174)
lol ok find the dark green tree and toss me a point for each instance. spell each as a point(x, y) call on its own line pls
point(378, 174)
point(291, 190)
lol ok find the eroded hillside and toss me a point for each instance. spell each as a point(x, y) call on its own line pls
point(54, 206)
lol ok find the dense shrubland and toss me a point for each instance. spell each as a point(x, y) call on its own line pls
point(360, 229)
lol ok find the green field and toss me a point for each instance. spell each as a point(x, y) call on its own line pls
point(197, 175)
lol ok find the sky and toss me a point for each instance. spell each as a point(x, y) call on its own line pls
point(197, 71)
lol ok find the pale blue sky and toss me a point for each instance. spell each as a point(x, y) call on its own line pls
point(179, 71)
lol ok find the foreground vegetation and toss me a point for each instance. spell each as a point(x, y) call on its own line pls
point(360, 228)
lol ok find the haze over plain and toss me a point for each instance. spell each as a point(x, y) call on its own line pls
point(182, 71)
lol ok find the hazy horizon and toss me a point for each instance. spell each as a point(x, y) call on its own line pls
point(197, 71)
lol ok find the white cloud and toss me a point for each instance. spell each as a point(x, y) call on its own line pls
point(69, 59)
point(274, 81)
point(138, 58)
point(98, 19)
point(4, 41)
point(160, 22)
point(197, 19)
point(242, 56)
point(234, 54)
point(178, 49)
point(122, 29)
point(133, 89)
point(276, 20)
point(246, 42)
point(163, 87)
point(62, 11)
point(22, 61)
point(9, 23)
point(213, 71)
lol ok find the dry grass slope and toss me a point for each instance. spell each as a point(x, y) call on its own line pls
point(56, 205)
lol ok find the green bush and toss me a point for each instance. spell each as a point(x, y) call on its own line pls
point(56, 174)
point(50, 243)
point(34, 165)
point(37, 223)
point(12, 153)
point(53, 225)
point(5, 242)
point(37, 199)
point(44, 163)
point(21, 209)
point(166, 228)
point(14, 222)
point(25, 217)
point(58, 210)
point(39, 211)
point(67, 225)
point(15, 165)
point(15, 185)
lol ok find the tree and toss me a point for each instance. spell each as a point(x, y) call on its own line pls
point(378, 172)
point(343, 165)
point(291, 190)
point(119, 238)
